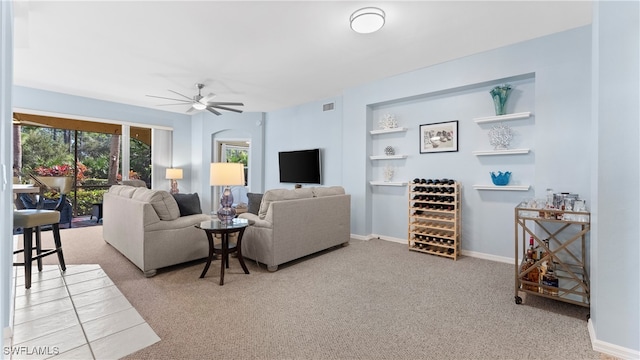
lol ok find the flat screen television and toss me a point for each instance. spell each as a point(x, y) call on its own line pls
point(300, 166)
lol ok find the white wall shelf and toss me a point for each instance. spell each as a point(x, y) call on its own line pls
point(387, 131)
point(488, 119)
point(387, 183)
point(502, 188)
point(500, 152)
point(387, 157)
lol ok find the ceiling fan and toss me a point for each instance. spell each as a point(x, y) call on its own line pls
point(199, 102)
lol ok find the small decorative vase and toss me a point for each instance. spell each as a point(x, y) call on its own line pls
point(389, 151)
point(388, 174)
point(500, 136)
point(501, 178)
point(500, 94)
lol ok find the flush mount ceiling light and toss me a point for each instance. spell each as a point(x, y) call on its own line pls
point(367, 20)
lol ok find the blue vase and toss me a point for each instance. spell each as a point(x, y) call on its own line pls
point(500, 94)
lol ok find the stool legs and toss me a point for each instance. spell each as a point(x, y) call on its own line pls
point(38, 248)
point(28, 255)
point(58, 244)
point(28, 251)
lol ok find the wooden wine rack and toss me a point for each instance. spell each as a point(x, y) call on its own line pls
point(434, 219)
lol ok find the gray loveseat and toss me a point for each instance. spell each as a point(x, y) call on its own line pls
point(294, 223)
point(145, 226)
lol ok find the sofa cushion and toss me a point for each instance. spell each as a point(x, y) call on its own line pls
point(134, 183)
point(188, 204)
point(282, 194)
point(254, 202)
point(328, 191)
point(163, 203)
point(122, 190)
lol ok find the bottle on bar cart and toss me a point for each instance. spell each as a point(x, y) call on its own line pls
point(533, 275)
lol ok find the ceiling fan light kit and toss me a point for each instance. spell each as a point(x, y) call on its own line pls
point(199, 106)
point(367, 20)
point(199, 102)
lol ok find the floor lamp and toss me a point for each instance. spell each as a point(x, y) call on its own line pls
point(174, 175)
point(226, 174)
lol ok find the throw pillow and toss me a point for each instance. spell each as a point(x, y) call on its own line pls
point(254, 202)
point(188, 204)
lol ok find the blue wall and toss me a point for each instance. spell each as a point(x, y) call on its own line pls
point(551, 78)
point(306, 127)
point(6, 158)
point(615, 314)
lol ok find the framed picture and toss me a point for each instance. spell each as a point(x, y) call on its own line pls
point(439, 137)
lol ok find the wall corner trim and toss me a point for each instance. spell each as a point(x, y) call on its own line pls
point(608, 348)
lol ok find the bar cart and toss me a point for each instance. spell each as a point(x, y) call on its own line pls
point(559, 237)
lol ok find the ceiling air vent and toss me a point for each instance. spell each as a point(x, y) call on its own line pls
point(327, 107)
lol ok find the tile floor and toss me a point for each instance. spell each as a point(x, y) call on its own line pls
point(78, 314)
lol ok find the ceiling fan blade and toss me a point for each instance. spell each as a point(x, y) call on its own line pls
point(216, 103)
point(224, 108)
point(213, 110)
point(171, 104)
point(184, 96)
point(190, 109)
point(166, 98)
point(207, 98)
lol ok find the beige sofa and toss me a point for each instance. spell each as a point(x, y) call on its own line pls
point(294, 223)
point(145, 226)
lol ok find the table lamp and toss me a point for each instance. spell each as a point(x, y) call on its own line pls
point(174, 175)
point(226, 174)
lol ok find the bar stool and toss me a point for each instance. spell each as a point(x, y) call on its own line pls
point(29, 220)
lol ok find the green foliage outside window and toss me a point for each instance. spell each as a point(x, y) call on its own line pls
point(50, 152)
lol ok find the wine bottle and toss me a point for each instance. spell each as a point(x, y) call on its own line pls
point(530, 251)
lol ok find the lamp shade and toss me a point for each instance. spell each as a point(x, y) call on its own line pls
point(173, 174)
point(367, 20)
point(224, 174)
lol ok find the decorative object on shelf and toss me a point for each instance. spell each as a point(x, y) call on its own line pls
point(439, 137)
point(388, 121)
point(388, 173)
point(500, 136)
point(500, 94)
point(389, 150)
point(226, 174)
point(173, 174)
point(501, 178)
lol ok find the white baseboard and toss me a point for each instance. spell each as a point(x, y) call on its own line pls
point(474, 254)
point(610, 349)
point(388, 238)
point(479, 255)
point(360, 237)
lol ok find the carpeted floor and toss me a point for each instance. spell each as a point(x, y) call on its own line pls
point(369, 300)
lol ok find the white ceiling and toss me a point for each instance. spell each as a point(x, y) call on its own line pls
point(267, 54)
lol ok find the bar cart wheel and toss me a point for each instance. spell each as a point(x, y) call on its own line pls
point(518, 300)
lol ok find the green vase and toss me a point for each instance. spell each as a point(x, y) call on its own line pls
point(500, 94)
